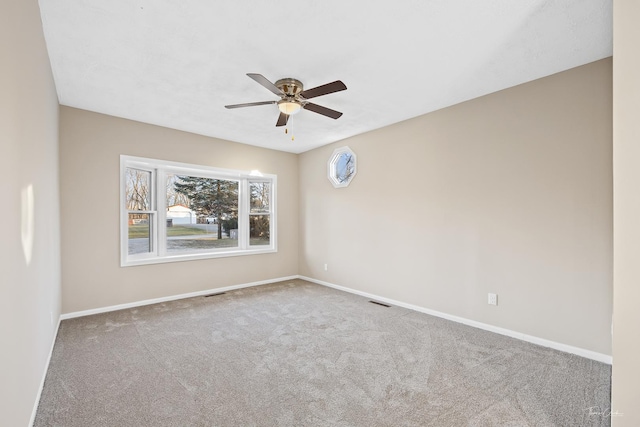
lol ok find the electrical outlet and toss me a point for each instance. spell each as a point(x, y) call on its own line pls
point(493, 299)
point(326, 267)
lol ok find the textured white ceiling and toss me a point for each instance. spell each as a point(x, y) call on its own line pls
point(176, 63)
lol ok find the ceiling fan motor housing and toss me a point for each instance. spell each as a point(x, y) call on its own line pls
point(291, 87)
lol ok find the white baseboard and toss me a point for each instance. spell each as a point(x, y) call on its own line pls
point(502, 331)
point(604, 358)
point(44, 375)
point(170, 298)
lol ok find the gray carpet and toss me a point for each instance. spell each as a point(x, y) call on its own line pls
point(300, 354)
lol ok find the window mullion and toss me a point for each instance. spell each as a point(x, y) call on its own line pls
point(243, 215)
point(161, 206)
point(153, 234)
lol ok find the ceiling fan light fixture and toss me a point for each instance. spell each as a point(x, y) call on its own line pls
point(289, 107)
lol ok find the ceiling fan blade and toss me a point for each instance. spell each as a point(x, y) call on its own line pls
point(322, 110)
point(266, 83)
point(250, 104)
point(336, 86)
point(282, 120)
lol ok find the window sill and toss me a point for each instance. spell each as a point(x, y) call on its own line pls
point(194, 256)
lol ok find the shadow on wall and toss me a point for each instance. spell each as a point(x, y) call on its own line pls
point(28, 222)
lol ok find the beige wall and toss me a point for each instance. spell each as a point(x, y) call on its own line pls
point(626, 181)
point(509, 193)
point(29, 284)
point(90, 149)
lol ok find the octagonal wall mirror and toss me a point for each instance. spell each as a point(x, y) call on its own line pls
point(341, 167)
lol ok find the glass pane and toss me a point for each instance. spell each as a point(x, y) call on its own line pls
point(259, 230)
point(173, 197)
point(345, 167)
point(203, 214)
point(138, 190)
point(260, 192)
point(139, 233)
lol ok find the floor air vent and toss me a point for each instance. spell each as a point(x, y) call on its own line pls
point(379, 303)
point(214, 295)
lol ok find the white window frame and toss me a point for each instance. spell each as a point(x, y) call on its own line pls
point(159, 170)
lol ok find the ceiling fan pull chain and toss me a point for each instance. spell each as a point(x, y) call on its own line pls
point(287, 131)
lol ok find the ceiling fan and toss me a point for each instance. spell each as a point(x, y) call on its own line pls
point(293, 97)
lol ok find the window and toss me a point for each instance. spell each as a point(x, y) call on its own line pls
point(174, 211)
point(341, 167)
